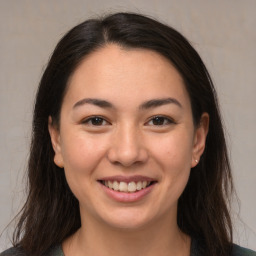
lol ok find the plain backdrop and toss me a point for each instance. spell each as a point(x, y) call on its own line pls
point(223, 32)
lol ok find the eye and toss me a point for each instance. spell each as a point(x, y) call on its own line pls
point(95, 121)
point(160, 121)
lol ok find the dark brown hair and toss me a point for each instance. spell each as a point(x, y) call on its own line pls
point(51, 212)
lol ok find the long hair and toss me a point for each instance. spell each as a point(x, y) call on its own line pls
point(51, 212)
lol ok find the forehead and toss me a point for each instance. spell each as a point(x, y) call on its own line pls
point(115, 72)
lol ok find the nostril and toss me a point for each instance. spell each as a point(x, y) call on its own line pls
point(126, 158)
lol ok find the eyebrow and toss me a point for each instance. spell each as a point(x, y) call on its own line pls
point(96, 102)
point(159, 102)
point(145, 105)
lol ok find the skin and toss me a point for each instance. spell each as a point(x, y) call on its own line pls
point(127, 142)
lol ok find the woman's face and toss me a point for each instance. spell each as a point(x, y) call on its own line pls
point(126, 139)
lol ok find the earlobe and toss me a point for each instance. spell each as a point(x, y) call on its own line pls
point(55, 140)
point(200, 139)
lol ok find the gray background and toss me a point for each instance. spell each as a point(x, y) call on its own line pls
point(224, 33)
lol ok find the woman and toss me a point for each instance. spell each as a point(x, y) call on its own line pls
point(128, 153)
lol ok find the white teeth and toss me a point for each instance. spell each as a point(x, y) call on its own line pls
point(115, 185)
point(109, 184)
point(123, 187)
point(139, 185)
point(144, 184)
point(132, 186)
point(126, 187)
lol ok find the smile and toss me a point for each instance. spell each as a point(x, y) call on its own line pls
point(127, 187)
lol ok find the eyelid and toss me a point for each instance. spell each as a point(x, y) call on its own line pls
point(90, 118)
point(169, 119)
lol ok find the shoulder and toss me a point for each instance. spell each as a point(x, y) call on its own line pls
point(55, 251)
point(14, 251)
point(197, 249)
point(240, 251)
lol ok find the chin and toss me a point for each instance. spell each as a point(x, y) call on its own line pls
point(128, 220)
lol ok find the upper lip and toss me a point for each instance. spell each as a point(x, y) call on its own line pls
point(127, 179)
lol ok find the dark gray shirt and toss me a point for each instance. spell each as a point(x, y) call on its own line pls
point(195, 251)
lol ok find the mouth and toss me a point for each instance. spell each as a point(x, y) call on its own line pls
point(127, 187)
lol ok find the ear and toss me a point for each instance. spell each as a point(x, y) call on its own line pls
point(55, 139)
point(200, 139)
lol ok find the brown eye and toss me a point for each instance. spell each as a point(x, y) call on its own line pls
point(96, 121)
point(160, 120)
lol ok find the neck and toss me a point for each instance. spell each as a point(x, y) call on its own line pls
point(161, 238)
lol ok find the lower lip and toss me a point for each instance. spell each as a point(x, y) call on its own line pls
point(127, 197)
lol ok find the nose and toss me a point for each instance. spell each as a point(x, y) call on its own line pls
point(127, 147)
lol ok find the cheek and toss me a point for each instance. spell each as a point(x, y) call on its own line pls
point(173, 155)
point(81, 155)
point(174, 150)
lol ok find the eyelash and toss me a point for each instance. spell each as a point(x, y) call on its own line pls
point(164, 119)
point(90, 120)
